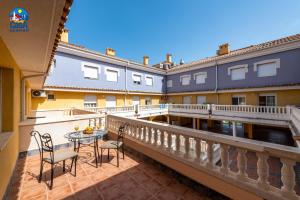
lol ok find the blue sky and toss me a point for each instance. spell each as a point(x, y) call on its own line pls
point(189, 29)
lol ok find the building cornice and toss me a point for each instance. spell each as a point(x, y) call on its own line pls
point(82, 52)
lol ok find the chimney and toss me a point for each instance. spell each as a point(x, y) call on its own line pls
point(64, 37)
point(146, 60)
point(169, 58)
point(110, 52)
point(223, 49)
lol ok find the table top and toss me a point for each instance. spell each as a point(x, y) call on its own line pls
point(80, 135)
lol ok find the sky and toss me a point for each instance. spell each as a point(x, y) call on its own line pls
point(188, 29)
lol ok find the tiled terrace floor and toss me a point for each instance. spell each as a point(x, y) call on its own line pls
point(134, 179)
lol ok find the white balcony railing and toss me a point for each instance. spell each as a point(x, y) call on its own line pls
point(175, 142)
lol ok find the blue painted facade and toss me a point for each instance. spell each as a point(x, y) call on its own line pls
point(287, 74)
point(67, 73)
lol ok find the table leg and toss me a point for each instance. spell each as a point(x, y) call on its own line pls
point(95, 151)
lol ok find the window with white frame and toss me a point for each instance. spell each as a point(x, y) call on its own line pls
point(185, 79)
point(137, 79)
point(239, 100)
point(169, 83)
point(90, 101)
point(200, 77)
point(186, 99)
point(110, 101)
point(148, 101)
point(238, 72)
point(267, 67)
point(201, 99)
point(90, 70)
point(135, 100)
point(267, 100)
point(149, 80)
point(112, 75)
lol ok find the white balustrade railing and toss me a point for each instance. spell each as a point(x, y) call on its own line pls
point(151, 107)
point(189, 108)
point(197, 148)
point(110, 109)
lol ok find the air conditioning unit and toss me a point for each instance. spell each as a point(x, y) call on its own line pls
point(38, 93)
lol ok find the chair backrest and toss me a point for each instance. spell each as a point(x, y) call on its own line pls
point(45, 144)
point(121, 132)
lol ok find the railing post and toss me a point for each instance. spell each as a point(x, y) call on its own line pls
point(242, 162)
point(162, 139)
point(263, 170)
point(177, 143)
point(145, 134)
point(288, 178)
point(169, 141)
point(224, 159)
point(198, 150)
point(186, 147)
point(155, 136)
point(209, 151)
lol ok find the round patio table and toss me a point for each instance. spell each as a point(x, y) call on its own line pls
point(79, 138)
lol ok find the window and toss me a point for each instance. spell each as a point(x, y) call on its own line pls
point(238, 100)
point(200, 77)
point(201, 99)
point(238, 72)
point(186, 100)
point(185, 79)
point(90, 70)
point(51, 97)
point(135, 100)
point(137, 79)
point(169, 83)
point(267, 100)
point(267, 67)
point(148, 101)
point(111, 75)
point(90, 101)
point(149, 80)
point(110, 101)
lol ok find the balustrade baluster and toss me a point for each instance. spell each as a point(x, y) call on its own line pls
point(209, 151)
point(155, 136)
point(177, 143)
point(162, 139)
point(169, 141)
point(224, 158)
point(186, 146)
point(288, 178)
point(142, 134)
point(197, 150)
point(145, 134)
point(263, 170)
point(242, 162)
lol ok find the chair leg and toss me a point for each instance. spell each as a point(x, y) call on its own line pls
point(75, 164)
point(117, 157)
point(52, 173)
point(101, 157)
point(41, 171)
point(107, 154)
point(95, 152)
point(64, 166)
point(123, 152)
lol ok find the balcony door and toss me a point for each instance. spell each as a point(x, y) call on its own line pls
point(110, 101)
point(186, 100)
point(201, 99)
point(135, 100)
point(238, 100)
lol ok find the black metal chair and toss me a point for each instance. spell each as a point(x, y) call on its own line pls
point(48, 155)
point(115, 144)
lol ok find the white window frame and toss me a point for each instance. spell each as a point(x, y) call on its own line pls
point(268, 94)
point(149, 76)
point(200, 74)
point(276, 61)
point(202, 97)
point(183, 97)
point(112, 69)
point(85, 103)
point(90, 65)
point(169, 83)
point(148, 98)
point(134, 99)
point(245, 67)
point(136, 74)
point(114, 97)
point(185, 76)
point(239, 96)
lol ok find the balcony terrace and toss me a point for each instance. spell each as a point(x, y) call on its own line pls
point(231, 166)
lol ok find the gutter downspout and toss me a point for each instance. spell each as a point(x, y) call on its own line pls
point(216, 88)
point(126, 92)
point(23, 92)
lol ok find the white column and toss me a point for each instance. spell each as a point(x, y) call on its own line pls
point(233, 128)
point(288, 178)
point(194, 123)
point(263, 170)
point(168, 119)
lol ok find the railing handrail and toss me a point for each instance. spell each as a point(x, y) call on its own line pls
point(252, 145)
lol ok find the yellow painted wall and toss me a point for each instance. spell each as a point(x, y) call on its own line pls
point(9, 154)
point(76, 99)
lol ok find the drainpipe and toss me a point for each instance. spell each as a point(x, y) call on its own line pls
point(126, 92)
point(216, 88)
point(23, 93)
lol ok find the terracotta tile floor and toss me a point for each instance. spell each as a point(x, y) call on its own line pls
point(134, 179)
